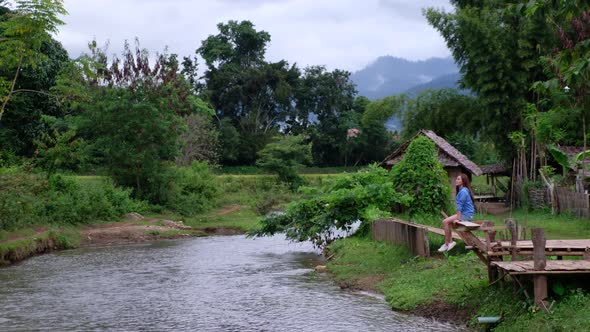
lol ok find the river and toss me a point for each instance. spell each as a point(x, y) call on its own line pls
point(220, 283)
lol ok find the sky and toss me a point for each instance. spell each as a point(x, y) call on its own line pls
point(343, 34)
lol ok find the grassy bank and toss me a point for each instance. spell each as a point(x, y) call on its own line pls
point(455, 287)
point(239, 204)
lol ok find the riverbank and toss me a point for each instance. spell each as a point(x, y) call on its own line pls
point(133, 228)
point(453, 287)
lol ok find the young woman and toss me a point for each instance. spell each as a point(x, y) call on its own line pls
point(465, 210)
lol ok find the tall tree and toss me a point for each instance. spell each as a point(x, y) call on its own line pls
point(242, 86)
point(497, 50)
point(131, 112)
point(328, 97)
point(446, 112)
point(22, 34)
point(31, 101)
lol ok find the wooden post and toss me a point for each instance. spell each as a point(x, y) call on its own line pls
point(511, 225)
point(540, 281)
point(490, 236)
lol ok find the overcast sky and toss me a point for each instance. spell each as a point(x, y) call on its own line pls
point(345, 34)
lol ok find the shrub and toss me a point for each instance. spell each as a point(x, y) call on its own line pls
point(19, 198)
point(194, 189)
point(422, 176)
point(27, 199)
point(284, 158)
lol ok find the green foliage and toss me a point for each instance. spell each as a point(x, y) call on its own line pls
point(420, 175)
point(285, 157)
point(446, 112)
point(19, 203)
point(23, 33)
point(329, 95)
point(24, 123)
point(135, 139)
point(497, 50)
point(131, 114)
point(71, 203)
point(60, 151)
point(325, 213)
point(560, 157)
point(27, 199)
point(194, 190)
point(251, 94)
point(375, 141)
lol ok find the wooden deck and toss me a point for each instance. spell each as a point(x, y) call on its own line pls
point(552, 248)
point(492, 252)
point(551, 267)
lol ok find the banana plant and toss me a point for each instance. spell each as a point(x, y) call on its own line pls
point(566, 163)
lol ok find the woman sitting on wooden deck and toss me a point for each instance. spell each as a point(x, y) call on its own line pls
point(465, 210)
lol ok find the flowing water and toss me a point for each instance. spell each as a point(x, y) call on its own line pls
point(222, 283)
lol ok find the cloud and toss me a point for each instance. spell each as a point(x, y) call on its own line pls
point(346, 34)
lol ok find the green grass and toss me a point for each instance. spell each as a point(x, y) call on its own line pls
point(5, 235)
point(460, 280)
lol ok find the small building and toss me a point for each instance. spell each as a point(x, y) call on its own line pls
point(454, 162)
point(493, 172)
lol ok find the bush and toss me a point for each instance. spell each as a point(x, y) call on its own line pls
point(27, 199)
point(422, 176)
point(19, 198)
point(70, 202)
point(193, 191)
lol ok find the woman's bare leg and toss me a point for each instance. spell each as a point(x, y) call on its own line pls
point(447, 224)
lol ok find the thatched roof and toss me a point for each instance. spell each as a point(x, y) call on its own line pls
point(495, 169)
point(447, 154)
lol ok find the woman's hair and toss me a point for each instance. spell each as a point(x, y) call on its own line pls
point(466, 184)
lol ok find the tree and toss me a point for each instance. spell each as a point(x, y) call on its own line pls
point(330, 211)
point(376, 137)
point(131, 113)
point(497, 50)
point(32, 100)
point(445, 112)
point(254, 94)
point(569, 63)
point(328, 97)
point(22, 35)
point(200, 140)
point(284, 157)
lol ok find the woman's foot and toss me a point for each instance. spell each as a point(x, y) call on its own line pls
point(443, 248)
point(451, 245)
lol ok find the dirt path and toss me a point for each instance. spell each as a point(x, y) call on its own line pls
point(225, 210)
point(15, 237)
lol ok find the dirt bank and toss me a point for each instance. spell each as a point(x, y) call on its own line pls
point(137, 229)
point(134, 228)
point(440, 311)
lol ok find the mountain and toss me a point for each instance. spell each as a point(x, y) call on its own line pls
point(441, 82)
point(389, 75)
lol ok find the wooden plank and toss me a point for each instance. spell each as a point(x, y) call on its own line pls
point(431, 229)
point(530, 253)
point(468, 224)
point(567, 265)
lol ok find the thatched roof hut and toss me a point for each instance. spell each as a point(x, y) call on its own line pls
point(454, 162)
